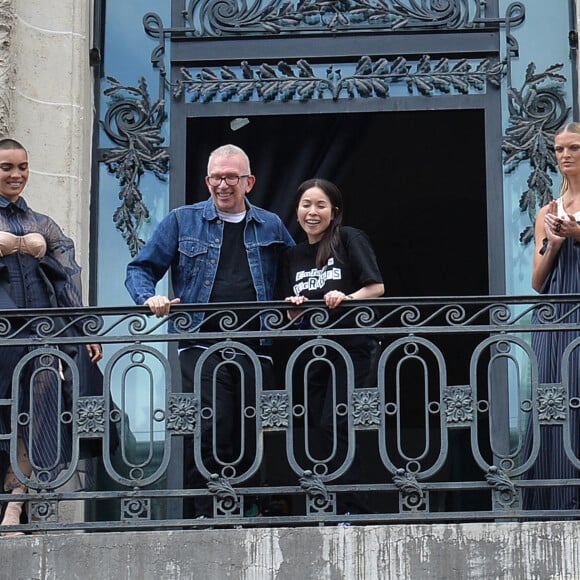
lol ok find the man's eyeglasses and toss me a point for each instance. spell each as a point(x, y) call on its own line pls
point(231, 180)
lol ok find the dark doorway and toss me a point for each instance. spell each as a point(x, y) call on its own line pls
point(414, 181)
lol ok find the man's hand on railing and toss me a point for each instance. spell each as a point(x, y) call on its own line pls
point(160, 305)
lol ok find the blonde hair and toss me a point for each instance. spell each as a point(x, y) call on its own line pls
point(573, 127)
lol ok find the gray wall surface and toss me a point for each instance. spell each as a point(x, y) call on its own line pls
point(542, 550)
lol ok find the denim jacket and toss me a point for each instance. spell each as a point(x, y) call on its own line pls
point(189, 242)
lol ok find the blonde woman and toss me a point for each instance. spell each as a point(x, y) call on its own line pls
point(556, 270)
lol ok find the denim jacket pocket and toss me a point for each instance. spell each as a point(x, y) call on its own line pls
point(191, 257)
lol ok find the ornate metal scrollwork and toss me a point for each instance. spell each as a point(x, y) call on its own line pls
point(503, 486)
point(91, 415)
point(318, 499)
point(44, 511)
point(366, 406)
point(369, 79)
point(313, 485)
point(135, 509)
point(551, 403)
point(274, 410)
point(182, 415)
point(228, 499)
point(134, 123)
point(411, 490)
point(536, 110)
point(458, 404)
point(232, 17)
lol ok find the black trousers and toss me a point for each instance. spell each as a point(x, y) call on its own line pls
point(228, 407)
point(323, 383)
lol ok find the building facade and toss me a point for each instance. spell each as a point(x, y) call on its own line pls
point(47, 103)
point(436, 113)
point(59, 99)
point(442, 106)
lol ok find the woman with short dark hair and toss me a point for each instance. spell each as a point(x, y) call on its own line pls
point(37, 270)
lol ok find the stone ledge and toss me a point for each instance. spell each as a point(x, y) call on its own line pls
point(453, 551)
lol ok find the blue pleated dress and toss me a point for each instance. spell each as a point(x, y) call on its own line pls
point(549, 347)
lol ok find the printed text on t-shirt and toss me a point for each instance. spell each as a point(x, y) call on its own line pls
point(315, 278)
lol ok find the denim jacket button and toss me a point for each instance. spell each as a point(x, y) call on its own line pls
point(207, 282)
point(217, 240)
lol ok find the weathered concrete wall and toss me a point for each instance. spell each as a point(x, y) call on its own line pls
point(6, 66)
point(540, 550)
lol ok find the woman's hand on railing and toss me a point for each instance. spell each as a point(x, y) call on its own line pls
point(95, 352)
point(298, 300)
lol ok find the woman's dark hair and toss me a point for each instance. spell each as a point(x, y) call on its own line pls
point(331, 237)
point(9, 144)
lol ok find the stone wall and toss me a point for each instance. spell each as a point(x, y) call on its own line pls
point(535, 550)
point(46, 96)
point(6, 66)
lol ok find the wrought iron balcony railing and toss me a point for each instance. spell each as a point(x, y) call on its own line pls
point(447, 427)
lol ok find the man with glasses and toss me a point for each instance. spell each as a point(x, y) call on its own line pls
point(221, 250)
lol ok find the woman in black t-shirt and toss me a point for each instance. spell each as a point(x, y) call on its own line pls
point(335, 264)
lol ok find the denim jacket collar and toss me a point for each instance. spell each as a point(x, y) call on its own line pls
point(210, 212)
